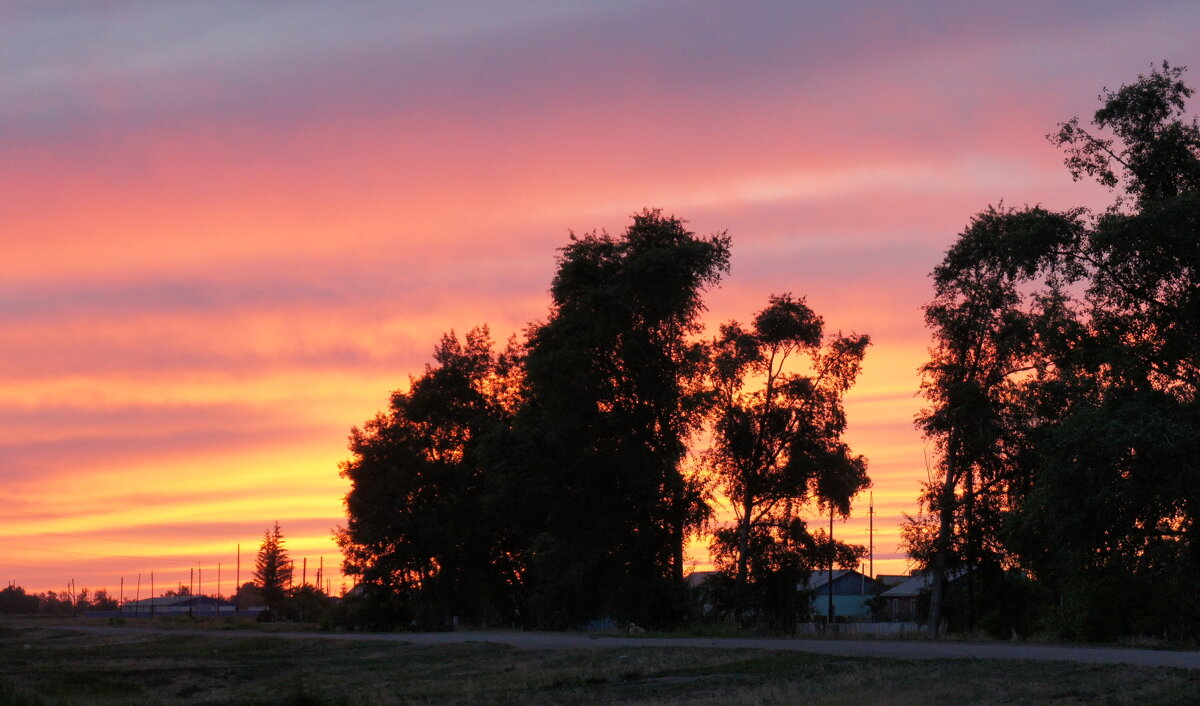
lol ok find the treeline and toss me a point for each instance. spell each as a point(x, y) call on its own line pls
point(1062, 393)
point(556, 481)
point(14, 600)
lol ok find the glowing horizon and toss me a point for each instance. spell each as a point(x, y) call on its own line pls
point(231, 230)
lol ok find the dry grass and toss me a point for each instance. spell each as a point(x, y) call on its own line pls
point(54, 665)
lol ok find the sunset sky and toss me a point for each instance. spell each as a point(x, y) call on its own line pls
point(231, 228)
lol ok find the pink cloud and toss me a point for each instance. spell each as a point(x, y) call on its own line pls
point(203, 200)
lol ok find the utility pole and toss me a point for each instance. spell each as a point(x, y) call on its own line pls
point(122, 600)
point(138, 596)
point(151, 593)
point(304, 571)
point(871, 533)
point(237, 582)
point(218, 579)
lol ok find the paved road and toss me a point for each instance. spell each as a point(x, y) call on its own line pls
point(897, 649)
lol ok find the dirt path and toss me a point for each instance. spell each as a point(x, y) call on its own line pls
point(896, 649)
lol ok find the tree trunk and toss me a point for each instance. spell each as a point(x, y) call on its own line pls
point(743, 567)
point(678, 533)
point(942, 543)
point(970, 529)
point(829, 616)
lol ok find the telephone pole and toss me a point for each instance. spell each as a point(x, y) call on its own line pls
point(871, 534)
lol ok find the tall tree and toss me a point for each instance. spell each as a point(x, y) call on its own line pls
point(1063, 382)
point(273, 568)
point(778, 446)
point(421, 528)
point(1125, 458)
point(984, 330)
point(613, 383)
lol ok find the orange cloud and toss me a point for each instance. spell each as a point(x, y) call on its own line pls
point(228, 239)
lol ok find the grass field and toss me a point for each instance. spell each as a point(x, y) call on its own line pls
point(51, 664)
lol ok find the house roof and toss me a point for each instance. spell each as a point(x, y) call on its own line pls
point(856, 581)
point(911, 587)
point(892, 579)
point(820, 579)
point(919, 582)
point(163, 601)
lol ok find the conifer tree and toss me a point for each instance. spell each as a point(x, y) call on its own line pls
point(273, 569)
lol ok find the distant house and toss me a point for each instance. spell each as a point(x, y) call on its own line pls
point(900, 601)
point(196, 606)
point(892, 580)
point(851, 592)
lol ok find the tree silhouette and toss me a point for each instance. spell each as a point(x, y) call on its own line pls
point(1064, 379)
point(984, 328)
point(1124, 461)
point(421, 521)
point(273, 569)
point(13, 599)
point(612, 384)
point(778, 448)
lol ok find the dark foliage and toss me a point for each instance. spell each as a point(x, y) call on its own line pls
point(548, 485)
point(778, 389)
point(424, 531)
point(1063, 384)
point(273, 569)
point(613, 386)
point(14, 600)
point(544, 485)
